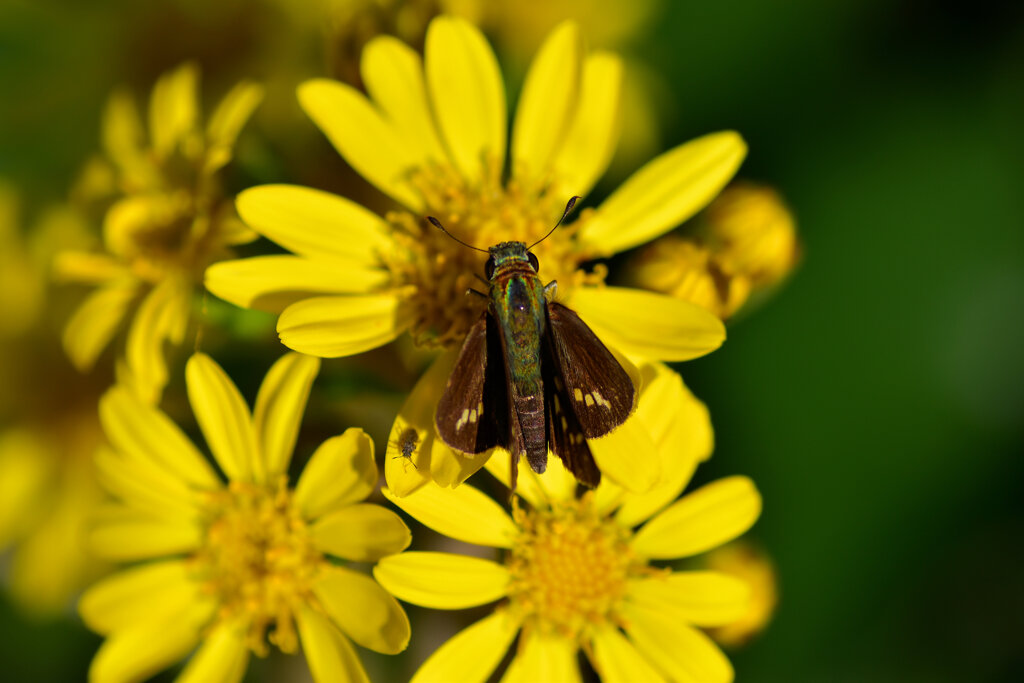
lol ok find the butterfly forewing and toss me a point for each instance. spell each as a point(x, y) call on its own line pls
point(599, 392)
point(472, 415)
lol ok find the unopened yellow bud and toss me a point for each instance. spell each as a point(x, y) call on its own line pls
point(746, 562)
point(752, 234)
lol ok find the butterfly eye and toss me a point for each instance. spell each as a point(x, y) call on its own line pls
point(489, 268)
point(533, 261)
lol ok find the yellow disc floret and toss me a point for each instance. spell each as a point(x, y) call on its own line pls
point(569, 567)
point(259, 561)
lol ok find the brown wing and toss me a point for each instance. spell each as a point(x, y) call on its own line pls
point(472, 415)
point(597, 390)
point(565, 435)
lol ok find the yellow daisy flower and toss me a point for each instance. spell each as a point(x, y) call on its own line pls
point(432, 136)
point(168, 221)
point(576, 574)
point(229, 567)
point(746, 243)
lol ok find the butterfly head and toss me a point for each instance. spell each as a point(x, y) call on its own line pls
point(508, 256)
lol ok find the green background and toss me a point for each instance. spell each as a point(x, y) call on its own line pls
point(877, 400)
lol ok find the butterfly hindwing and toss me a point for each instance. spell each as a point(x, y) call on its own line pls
point(472, 415)
point(565, 436)
point(598, 390)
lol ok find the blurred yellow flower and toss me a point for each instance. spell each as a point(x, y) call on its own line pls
point(745, 244)
point(48, 493)
point(168, 221)
point(48, 426)
point(752, 566)
point(229, 567)
point(357, 281)
point(22, 282)
point(577, 575)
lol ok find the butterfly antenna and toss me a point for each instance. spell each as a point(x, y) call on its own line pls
point(568, 208)
point(437, 224)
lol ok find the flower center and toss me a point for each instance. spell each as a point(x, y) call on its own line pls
point(569, 566)
point(259, 561)
point(170, 221)
point(483, 214)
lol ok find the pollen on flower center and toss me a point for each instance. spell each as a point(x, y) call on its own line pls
point(259, 562)
point(440, 270)
point(569, 567)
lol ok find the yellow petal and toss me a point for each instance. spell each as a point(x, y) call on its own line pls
point(127, 535)
point(172, 108)
point(148, 592)
point(450, 468)
point(94, 323)
point(223, 417)
point(361, 533)
point(704, 519)
point(442, 580)
point(142, 432)
point(315, 223)
point(368, 142)
point(145, 487)
point(50, 565)
point(402, 468)
point(664, 193)
point(272, 283)
point(544, 657)
point(26, 466)
point(393, 74)
point(223, 656)
point(681, 428)
point(463, 513)
point(333, 326)
point(363, 610)
point(162, 317)
point(701, 598)
point(548, 102)
point(87, 266)
point(616, 660)
point(279, 407)
point(608, 496)
point(682, 652)
point(593, 133)
point(467, 94)
point(137, 653)
point(342, 471)
point(628, 455)
point(227, 121)
point(123, 137)
point(648, 325)
point(431, 458)
point(471, 655)
point(331, 657)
